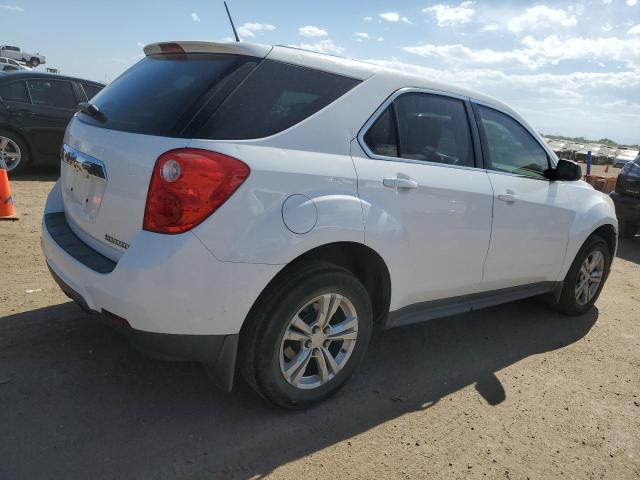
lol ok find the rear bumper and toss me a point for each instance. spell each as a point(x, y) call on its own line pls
point(180, 301)
point(627, 207)
point(218, 351)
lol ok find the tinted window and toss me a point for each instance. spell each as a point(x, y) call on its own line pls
point(381, 137)
point(16, 92)
point(434, 129)
point(510, 147)
point(160, 93)
point(52, 93)
point(274, 97)
point(90, 90)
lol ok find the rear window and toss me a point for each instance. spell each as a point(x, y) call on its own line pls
point(161, 93)
point(274, 97)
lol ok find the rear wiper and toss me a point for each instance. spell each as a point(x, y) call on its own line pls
point(92, 111)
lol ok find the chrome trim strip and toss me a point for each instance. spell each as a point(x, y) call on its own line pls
point(83, 162)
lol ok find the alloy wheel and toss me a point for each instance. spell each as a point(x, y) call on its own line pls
point(589, 277)
point(10, 153)
point(318, 341)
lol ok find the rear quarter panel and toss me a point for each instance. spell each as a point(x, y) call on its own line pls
point(312, 158)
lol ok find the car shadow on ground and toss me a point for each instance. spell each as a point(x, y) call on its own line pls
point(78, 402)
point(629, 249)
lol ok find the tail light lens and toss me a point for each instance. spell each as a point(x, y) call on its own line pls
point(187, 186)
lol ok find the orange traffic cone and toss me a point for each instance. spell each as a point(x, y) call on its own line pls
point(7, 210)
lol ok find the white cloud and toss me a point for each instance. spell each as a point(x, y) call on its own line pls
point(631, 3)
point(362, 35)
point(635, 30)
point(536, 53)
point(312, 31)
point(368, 19)
point(490, 28)
point(390, 16)
point(552, 102)
point(380, 39)
point(195, 17)
point(607, 2)
point(394, 17)
point(13, 8)
point(541, 16)
point(249, 29)
point(322, 46)
point(606, 27)
point(448, 15)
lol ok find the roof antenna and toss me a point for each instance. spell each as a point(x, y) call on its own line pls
point(235, 34)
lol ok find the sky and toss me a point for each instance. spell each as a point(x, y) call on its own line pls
point(570, 68)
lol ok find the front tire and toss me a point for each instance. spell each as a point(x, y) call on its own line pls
point(34, 62)
point(306, 335)
point(586, 277)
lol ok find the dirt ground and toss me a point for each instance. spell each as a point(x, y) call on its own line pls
point(511, 392)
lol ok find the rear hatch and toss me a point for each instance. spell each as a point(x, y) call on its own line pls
point(111, 147)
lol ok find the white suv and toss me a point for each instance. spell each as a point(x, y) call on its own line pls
point(268, 208)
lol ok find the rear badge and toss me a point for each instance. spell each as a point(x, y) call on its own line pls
point(117, 242)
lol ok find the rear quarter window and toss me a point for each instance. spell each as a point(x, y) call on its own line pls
point(90, 90)
point(274, 97)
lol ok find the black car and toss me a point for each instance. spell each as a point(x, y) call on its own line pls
point(626, 197)
point(35, 109)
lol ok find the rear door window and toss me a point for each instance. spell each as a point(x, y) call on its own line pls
point(423, 127)
point(274, 97)
point(382, 138)
point(161, 93)
point(14, 92)
point(52, 93)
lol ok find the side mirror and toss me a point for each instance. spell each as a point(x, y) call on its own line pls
point(566, 170)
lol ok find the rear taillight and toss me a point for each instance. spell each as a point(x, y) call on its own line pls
point(188, 185)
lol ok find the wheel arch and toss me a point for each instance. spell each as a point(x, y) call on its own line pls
point(609, 233)
point(362, 261)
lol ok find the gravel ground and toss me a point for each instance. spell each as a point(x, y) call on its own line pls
point(514, 391)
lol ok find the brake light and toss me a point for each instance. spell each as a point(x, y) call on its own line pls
point(171, 48)
point(187, 186)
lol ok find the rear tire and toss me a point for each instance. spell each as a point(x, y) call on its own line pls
point(294, 364)
point(628, 229)
point(573, 299)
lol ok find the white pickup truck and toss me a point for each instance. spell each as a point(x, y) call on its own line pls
point(32, 59)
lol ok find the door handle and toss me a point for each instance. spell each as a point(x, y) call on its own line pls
point(508, 197)
point(405, 183)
